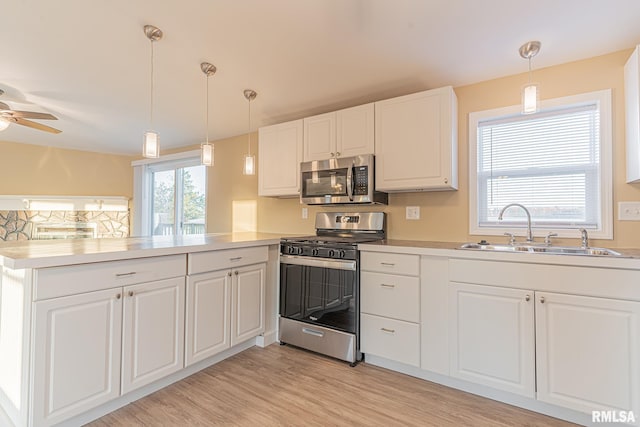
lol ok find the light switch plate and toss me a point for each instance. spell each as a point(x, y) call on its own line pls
point(305, 213)
point(629, 211)
point(413, 212)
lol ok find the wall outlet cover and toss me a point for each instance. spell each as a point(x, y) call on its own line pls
point(629, 211)
point(305, 213)
point(412, 212)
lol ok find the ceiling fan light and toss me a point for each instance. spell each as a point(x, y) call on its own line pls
point(530, 98)
point(151, 145)
point(4, 124)
point(206, 154)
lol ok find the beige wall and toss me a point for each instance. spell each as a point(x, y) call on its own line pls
point(444, 215)
point(30, 169)
point(36, 170)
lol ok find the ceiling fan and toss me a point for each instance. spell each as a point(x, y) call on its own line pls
point(8, 116)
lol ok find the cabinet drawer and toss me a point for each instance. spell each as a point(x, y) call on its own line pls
point(390, 295)
point(201, 262)
point(391, 339)
point(75, 279)
point(391, 263)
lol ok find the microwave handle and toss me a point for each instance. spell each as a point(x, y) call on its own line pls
point(350, 183)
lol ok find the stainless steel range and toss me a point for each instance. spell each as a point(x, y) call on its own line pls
point(320, 284)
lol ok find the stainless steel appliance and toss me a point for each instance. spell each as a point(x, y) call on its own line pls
point(342, 180)
point(320, 284)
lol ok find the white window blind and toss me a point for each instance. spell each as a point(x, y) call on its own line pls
point(550, 162)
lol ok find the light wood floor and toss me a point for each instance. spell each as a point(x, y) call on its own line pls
point(285, 386)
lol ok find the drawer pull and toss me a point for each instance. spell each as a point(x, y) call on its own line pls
point(236, 258)
point(390, 331)
point(384, 285)
point(313, 332)
point(388, 264)
point(131, 273)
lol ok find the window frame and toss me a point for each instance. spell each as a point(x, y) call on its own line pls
point(143, 187)
point(605, 228)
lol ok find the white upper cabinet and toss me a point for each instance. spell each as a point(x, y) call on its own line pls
point(632, 107)
point(343, 133)
point(279, 157)
point(416, 142)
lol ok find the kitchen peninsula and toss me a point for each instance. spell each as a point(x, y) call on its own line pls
point(89, 325)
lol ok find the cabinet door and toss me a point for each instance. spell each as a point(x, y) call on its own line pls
point(588, 352)
point(208, 315)
point(416, 142)
point(492, 337)
point(355, 131)
point(77, 347)
point(247, 303)
point(320, 137)
point(153, 332)
point(279, 157)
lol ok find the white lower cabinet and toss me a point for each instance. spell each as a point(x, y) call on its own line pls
point(389, 338)
point(224, 308)
point(492, 338)
point(153, 332)
point(91, 348)
point(588, 352)
point(77, 345)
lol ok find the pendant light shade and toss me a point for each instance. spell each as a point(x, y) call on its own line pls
point(207, 149)
point(151, 143)
point(249, 167)
point(531, 91)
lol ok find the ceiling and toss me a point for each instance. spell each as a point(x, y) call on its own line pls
point(88, 62)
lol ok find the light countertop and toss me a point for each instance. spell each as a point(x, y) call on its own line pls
point(51, 253)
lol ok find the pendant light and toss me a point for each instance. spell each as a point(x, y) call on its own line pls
point(249, 160)
point(206, 149)
point(151, 144)
point(531, 91)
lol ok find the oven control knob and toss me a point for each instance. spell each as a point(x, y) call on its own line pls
point(332, 253)
point(315, 252)
point(342, 254)
point(299, 251)
point(292, 250)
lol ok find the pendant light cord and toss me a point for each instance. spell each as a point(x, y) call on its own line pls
point(207, 118)
point(529, 70)
point(151, 97)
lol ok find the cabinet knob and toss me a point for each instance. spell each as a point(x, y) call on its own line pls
point(527, 297)
point(542, 300)
point(229, 274)
point(130, 293)
point(235, 272)
point(118, 296)
point(337, 154)
point(446, 180)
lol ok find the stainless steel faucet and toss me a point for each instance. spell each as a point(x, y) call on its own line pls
point(585, 238)
point(529, 232)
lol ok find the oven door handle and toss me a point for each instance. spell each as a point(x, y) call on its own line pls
point(318, 262)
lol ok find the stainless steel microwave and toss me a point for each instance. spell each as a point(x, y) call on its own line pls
point(339, 181)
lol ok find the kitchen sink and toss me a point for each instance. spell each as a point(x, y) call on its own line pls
point(553, 250)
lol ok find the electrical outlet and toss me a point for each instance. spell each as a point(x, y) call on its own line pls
point(413, 212)
point(629, 211)
point(305, 213)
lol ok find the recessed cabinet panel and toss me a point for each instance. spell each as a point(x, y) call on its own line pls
point(355, 131)
point(279, 157)
point(208, 315)
point(77, 354)
point(247, 303)
point(153, 332)
point(588, 351)
point(320, 137)
point(416, 142)
point(492, 337)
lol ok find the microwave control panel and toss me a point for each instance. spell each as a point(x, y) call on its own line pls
point(361, 181)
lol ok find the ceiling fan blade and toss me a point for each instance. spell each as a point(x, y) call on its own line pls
point(34, 125)
point(31, 115)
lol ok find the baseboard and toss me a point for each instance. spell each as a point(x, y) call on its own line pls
point(267, 339)
point(488, 392)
